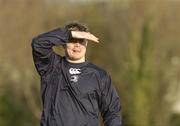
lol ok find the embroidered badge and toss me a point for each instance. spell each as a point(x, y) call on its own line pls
point(74, 78)
point(74, 71)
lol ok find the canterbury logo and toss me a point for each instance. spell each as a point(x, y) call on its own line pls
point(74, 71)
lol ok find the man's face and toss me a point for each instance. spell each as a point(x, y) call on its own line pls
point(76, 49)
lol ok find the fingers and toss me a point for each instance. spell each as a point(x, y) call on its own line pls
point(84, 35)
point(93, 38)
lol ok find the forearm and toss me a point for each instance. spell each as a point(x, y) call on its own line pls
point(110, 104)
point(113, 119)
point(46, 40)
point(43, 54)
point(112, 115)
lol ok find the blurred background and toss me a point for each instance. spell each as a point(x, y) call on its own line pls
point(140, 49)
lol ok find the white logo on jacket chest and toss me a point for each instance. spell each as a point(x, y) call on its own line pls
point(74, 71)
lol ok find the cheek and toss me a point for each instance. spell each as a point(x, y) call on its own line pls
point(84, 50)
point(69, 51)
point(69, 45)
point(68, 48)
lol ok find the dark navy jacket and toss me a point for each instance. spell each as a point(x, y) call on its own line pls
point(72, 94)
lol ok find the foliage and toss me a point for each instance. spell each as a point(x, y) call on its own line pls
point(139, 47)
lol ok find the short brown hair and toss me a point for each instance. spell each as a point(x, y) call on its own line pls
point(76, 26)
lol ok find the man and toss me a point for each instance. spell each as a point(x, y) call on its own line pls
point(74, 91)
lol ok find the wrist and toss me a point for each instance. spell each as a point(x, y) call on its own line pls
point(69, 34)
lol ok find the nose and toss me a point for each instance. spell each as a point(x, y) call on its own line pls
point(77, 43)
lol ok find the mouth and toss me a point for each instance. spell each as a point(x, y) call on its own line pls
point(76, 50)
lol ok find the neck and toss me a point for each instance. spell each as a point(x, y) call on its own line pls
point(76, 61)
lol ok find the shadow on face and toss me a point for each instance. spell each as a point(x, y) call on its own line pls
point(80, 41)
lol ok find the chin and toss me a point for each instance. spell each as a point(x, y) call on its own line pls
point(76, 58)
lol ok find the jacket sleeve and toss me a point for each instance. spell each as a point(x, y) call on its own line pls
point(43, 54)
point(110, 104)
